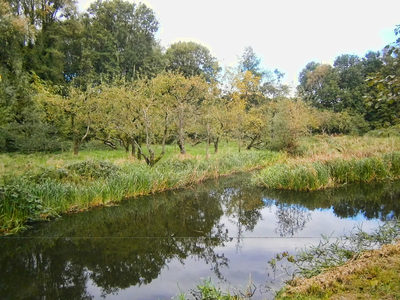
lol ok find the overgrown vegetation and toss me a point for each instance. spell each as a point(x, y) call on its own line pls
point(345, 266)
point(208, 290)
point(53, 184)
point(330, 173)
point(82, 185)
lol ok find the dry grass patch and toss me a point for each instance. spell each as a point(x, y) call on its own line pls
point(324, 147)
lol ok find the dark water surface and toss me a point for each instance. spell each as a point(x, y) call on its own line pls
point(153, 247)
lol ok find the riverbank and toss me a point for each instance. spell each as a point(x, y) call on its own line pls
point(373, 275)
point(43, 186)
point(49, 192)
point(328, 162)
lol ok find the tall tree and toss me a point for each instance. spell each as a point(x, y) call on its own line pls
point(270, 82)
point(319, 86)
point(192, 59)
point(383, 100)
point(119, 36)
point(351, 82)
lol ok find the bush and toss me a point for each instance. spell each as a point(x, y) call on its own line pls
point(94, 169)
point(16, 201)
point(385, 132)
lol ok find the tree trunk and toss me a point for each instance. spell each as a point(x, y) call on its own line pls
point(181, 145)
point(126, 145)
point(252, 142)
point(181, 137)
point(216, 141)
point(208, 141)
point(77, 145)
point(133, 147)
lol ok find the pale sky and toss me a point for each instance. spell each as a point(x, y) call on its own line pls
point(285, 34)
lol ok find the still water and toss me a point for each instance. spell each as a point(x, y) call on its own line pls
point(154, 247)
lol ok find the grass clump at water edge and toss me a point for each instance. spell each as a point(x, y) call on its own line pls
point(318, 175)
point(82, 185)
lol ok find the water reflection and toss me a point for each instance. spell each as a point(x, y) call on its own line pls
point(131, 245)
point(117, 248)
point(378, 200)
point(291, 219)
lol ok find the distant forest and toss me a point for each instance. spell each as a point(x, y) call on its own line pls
point(68, 77)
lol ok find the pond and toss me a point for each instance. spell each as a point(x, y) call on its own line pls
point(154, 247)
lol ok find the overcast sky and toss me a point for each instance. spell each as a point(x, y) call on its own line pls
point(285, 34)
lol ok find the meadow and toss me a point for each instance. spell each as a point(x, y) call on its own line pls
point(42, 186)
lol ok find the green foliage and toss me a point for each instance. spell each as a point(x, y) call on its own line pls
point(345, 122)
point(93, 169)
point(192, 59)
point(319, 175)
point(207, 290)
point(19, 205)
point(14, 198)
point(385, 132)
point(383, 102)
point(119, 38)
point(290, 119)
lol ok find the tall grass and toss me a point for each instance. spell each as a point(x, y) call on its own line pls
point(80, 186)
point(330, 173)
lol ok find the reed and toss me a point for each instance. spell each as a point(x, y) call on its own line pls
point(89, 183)
point(330, 173)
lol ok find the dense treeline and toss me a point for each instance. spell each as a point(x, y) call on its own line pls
point(68, 77)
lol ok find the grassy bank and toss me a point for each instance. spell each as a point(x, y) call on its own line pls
point(41, 186)
point(51, 191)
point(330, 173)
point(327, 161)
point(347, 268)
point(374, 275)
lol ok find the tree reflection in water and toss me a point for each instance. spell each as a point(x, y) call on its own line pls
point(291, 219)
point(115, 248)
point(242, 208)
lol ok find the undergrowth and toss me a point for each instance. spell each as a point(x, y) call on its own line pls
point(82, 185)
point(330, 173)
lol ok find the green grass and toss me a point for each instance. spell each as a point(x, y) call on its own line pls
point(17, 164)
point(92, 182)
point(338, 171)
point(56, 183)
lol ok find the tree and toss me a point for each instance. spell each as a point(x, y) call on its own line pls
point(383, 99)
point(186, 94)
point(289, 120)
point(119, 37)
point(215, 120)
point(270, 82)
point(351, 82)
point(249, 61)
point(192, 59)
point(117, 117)
point(156, 109)
point(319, 86)
point(19, 112)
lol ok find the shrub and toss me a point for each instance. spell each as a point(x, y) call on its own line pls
point(94, 169)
